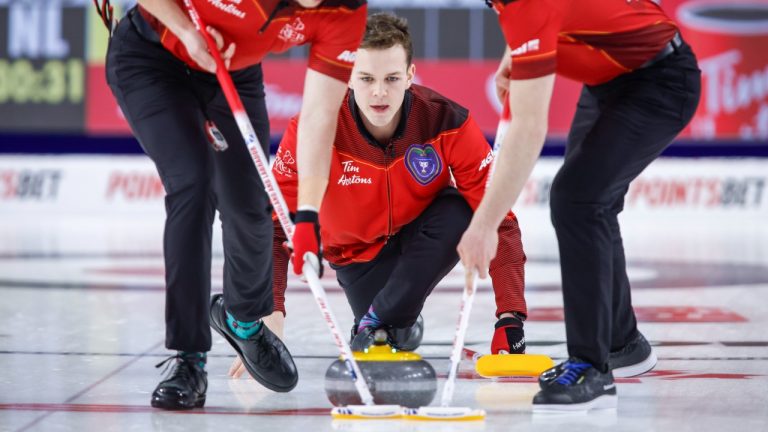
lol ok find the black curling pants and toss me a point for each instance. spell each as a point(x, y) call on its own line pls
point(619, 128)
point(166, 104)
point(398, 281)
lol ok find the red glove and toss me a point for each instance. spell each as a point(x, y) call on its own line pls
point(306, 238)
point(508, 338)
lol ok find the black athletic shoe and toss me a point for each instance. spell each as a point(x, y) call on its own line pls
point(578, 387)
point(549, 375)
point(635, 358)
point(366, 337)
point(264, 355)
point(185, 386)
point(409, 338)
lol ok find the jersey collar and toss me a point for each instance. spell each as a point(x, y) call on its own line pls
point(407, 102)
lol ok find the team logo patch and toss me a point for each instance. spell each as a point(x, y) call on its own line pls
point(423, 163)
point(292, 32)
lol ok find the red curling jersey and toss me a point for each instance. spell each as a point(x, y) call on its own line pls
point(257, 27)
point(375, 189)
point(590, 41)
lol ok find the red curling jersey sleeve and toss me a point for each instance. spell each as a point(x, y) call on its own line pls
point(332, 31)
point(590, 41)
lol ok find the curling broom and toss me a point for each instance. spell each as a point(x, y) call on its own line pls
point(445, 412)
point(497, 365)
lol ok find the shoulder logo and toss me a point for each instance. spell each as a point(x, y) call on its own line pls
point(347, 56)
point(423, 162)
point(487, 161)
point(530, 46)
point(292, 32)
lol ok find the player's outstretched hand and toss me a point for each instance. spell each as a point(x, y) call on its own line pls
point(477, 248)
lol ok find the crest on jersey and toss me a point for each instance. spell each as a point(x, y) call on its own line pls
point(283, 162)
point(293, 32)
point(423, 162)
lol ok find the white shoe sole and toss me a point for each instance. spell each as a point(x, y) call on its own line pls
point(637, 368)
point(601, 402)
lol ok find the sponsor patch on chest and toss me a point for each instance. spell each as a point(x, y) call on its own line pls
point(350, 175)
point(231, 7)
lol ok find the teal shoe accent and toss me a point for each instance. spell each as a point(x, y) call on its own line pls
point(243, 329)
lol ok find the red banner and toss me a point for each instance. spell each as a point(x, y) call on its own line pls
point(729, 38)
point(284, 80)
point(102, 115)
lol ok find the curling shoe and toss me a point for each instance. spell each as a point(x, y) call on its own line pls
point(578, 387)
point(635, 358)
point(186, 384)
point(264, 355)
point(407, 339)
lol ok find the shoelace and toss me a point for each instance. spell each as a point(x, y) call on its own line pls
point(269, 354)
point(265, 358)
point(182, 370)
point(572, 372)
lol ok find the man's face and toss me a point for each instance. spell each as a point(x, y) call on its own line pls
point(379, 79)
point(309, 4)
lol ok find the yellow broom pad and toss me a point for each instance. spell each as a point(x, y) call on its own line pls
point(501, 365)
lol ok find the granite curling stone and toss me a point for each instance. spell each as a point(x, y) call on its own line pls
point(394, 378)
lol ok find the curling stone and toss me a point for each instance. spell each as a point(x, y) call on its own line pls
point(394, 378)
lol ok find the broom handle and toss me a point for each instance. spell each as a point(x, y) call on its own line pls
point(330, 319)
point(467, 299)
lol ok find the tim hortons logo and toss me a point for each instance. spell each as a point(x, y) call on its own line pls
point(229, 7)
point(349, 176)
point(292, 32)
point(730, 95)
point(728, 90)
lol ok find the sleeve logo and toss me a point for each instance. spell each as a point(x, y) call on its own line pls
point(530, 46)
point(487, 161)
point(347, 56)
point(282, 163)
